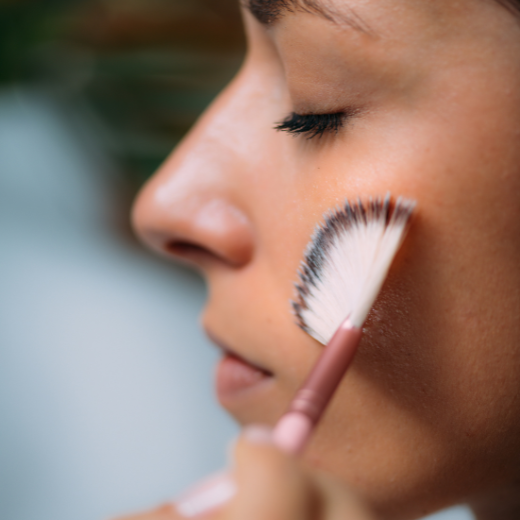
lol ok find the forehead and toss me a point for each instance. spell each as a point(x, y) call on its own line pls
point(378, 22)
point(352, 12)
point(404, 37)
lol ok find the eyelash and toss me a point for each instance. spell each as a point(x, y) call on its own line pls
point(312, 125)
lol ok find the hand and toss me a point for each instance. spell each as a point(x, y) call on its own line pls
point(275, 486)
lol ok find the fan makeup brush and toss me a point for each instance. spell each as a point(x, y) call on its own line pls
point(340, 277)
point(343, 270)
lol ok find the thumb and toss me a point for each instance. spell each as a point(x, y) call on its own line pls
point(270, 483)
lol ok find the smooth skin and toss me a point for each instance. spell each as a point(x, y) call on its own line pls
point(429, 414)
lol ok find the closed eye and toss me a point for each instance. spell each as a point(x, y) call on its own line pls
point(313, 125)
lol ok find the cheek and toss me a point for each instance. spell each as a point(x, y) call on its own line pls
point(439, 363)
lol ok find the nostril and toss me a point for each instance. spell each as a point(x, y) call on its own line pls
point(185, 249)
point(195, 253)
point(190, 251)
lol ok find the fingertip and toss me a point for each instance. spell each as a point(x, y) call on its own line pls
point(256, 452)
point(258, 434)
point(255, 440)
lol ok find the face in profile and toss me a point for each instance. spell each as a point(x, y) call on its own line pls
point(416, 98)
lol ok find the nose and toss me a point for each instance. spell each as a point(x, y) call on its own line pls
point(191, 208)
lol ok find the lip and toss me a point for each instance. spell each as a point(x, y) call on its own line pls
point(237, 376)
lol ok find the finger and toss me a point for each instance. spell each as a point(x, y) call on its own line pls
point(271, 485)
point(338, 503)
point(166, 512)
point(209, 495)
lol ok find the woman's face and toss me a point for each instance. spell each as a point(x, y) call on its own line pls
point(429, 413)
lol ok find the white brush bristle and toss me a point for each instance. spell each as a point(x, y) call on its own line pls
point(346, 263)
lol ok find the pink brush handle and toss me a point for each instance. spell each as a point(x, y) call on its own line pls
point(294, 429)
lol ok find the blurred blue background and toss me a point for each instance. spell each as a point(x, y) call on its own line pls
point(106, 401)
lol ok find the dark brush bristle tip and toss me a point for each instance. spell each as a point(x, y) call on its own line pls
point(336, 223)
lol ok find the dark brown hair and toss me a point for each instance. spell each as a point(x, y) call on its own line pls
point(512, 5)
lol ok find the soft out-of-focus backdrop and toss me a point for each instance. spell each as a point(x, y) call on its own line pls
point(106, 401)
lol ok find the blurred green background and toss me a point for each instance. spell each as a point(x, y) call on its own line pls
point(147, 67)
point(99, 339)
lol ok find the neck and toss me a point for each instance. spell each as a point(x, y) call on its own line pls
point(501, 505)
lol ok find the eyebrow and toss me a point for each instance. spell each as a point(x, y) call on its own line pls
point(267, 12)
